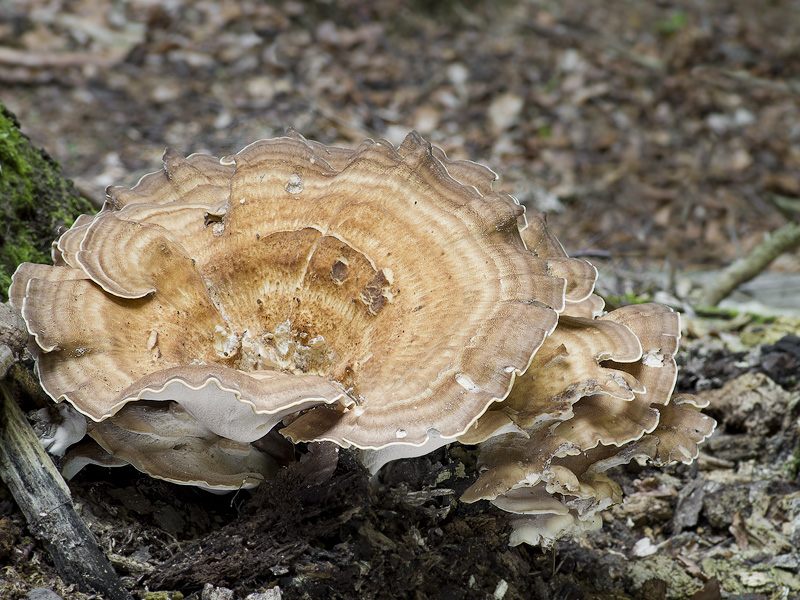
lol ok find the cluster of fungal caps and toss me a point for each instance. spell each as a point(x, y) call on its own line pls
point(380, 298)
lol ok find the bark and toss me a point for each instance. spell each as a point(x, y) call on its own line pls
point(45, 499)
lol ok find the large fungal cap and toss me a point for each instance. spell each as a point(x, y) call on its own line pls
point(293, 275)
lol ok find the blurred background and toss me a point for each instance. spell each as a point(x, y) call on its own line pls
point(661, 137)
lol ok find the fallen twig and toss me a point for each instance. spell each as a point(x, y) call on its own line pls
point(788, 86)
point(52, 60)
point(45, 499)
point(783, 240)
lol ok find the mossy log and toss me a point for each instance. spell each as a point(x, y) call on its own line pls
point(35, 200)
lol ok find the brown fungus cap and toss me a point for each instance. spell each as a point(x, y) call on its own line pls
point(386, 298)
point(568, 367)
point(565, 499)
point(597, 395)
point(293, 275)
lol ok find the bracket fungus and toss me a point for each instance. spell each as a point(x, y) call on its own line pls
point(378, 297)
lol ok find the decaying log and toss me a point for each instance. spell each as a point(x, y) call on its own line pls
point(45, 499)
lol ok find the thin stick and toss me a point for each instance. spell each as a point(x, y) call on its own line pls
point(45, 499)
point(785, 239)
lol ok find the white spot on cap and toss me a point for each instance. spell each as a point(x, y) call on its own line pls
point(152, 340)
point(400, 434)
point(465, 382)
point(295, 184)
point(653, 358)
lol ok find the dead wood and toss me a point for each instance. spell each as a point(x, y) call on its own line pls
point(45, 499)
point(746, 268)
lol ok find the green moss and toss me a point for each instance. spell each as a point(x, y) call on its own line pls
point(677, 21)
point(792, 466)
point(35, 201)
point(769, 331)
point(613, 301)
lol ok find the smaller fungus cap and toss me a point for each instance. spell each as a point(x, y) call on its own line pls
point(58, 427)
point(596, 395)
point(166, 442)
